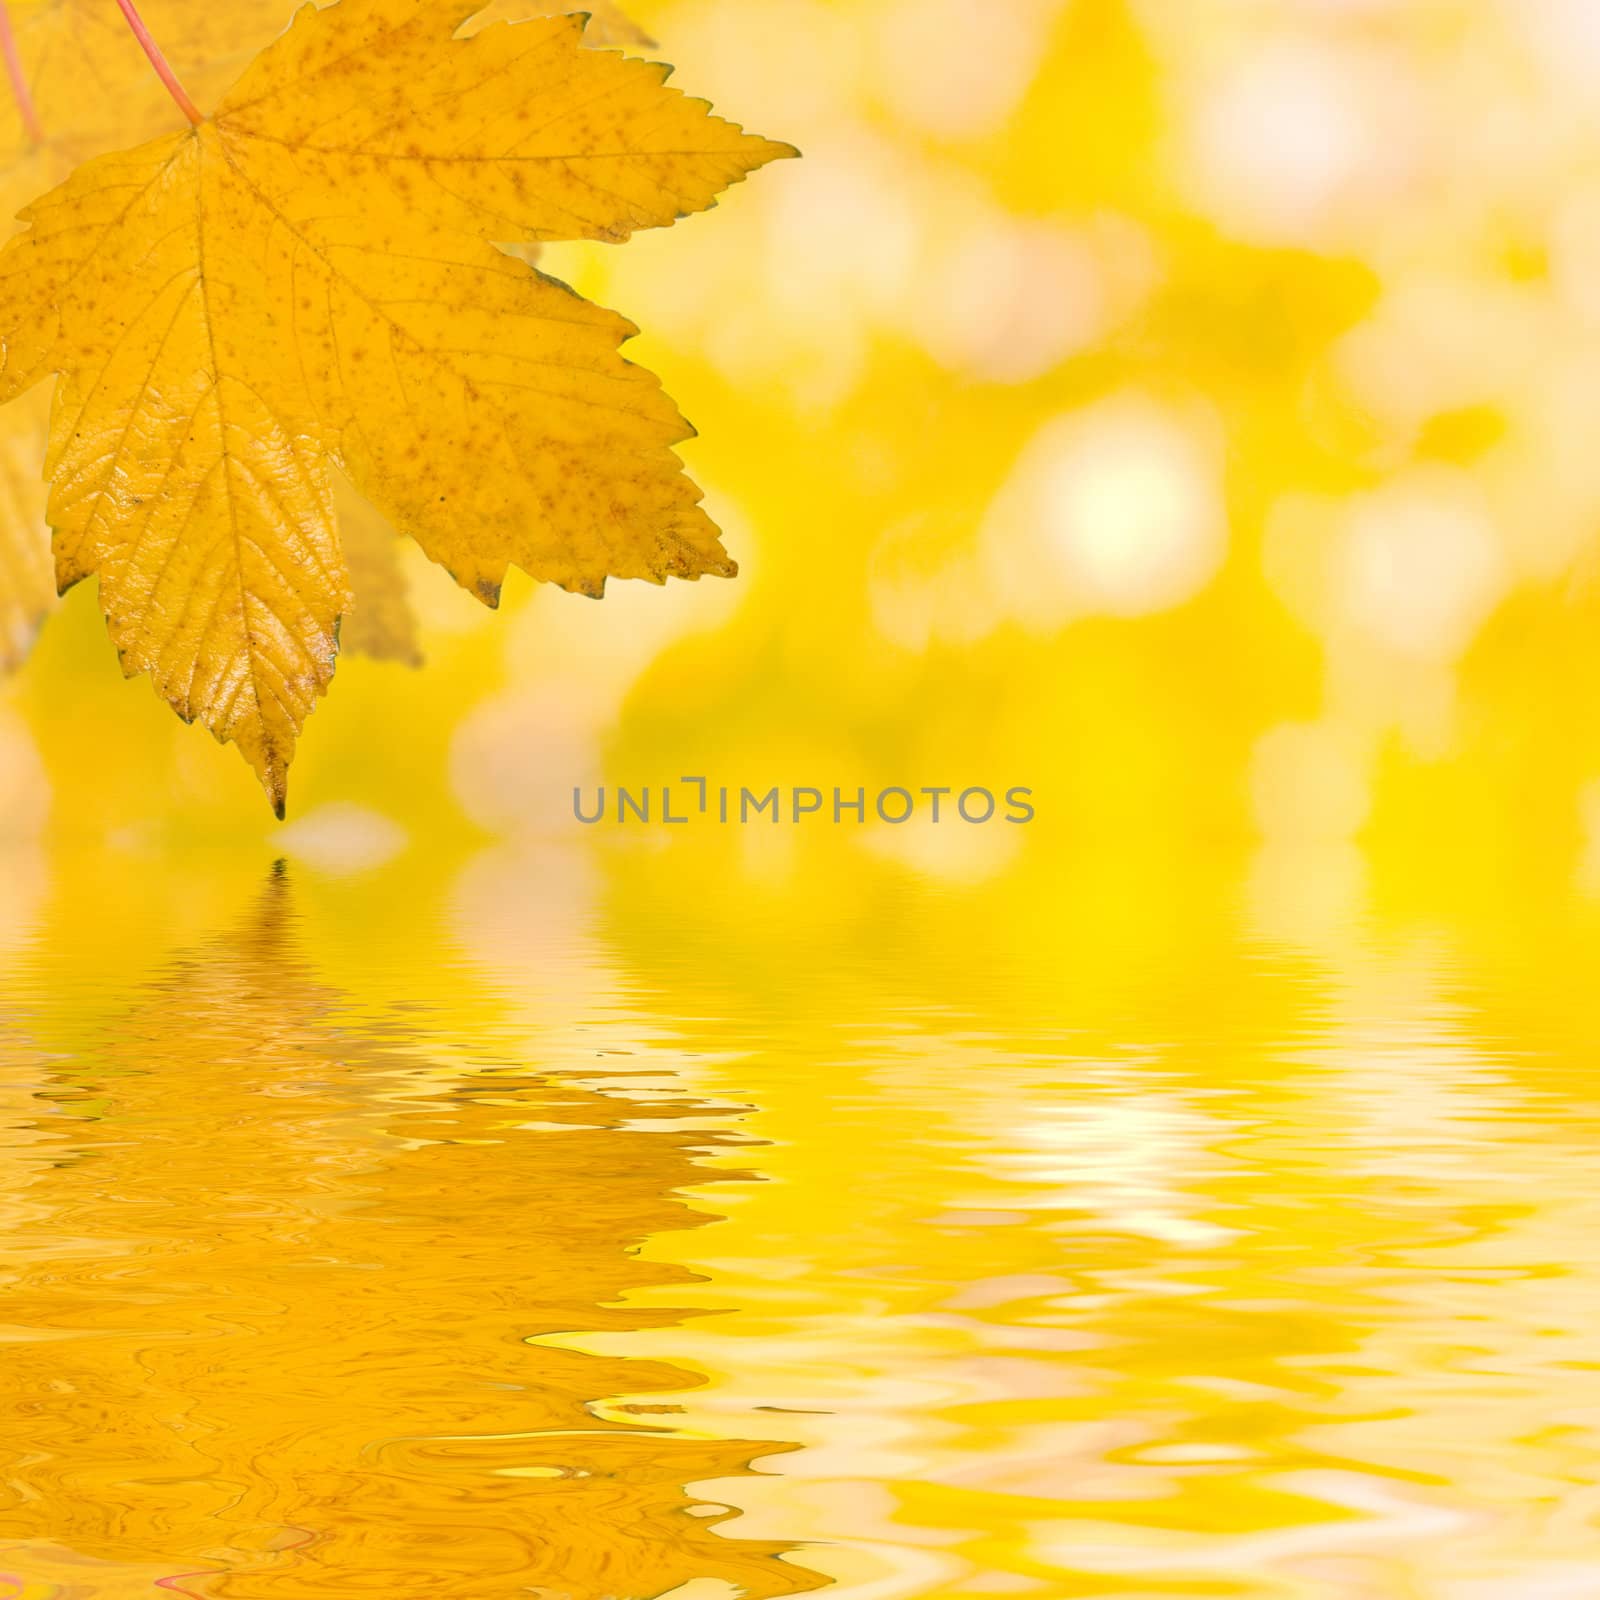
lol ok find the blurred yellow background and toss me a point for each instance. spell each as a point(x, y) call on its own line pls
point(1179, 407)
point(1183, 409)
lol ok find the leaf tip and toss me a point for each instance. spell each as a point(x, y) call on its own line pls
point(275, 780)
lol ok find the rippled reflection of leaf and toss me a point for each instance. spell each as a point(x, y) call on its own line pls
point(276, 1282)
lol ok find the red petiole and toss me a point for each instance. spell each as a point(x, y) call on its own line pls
point(159, 62)
point(19, 82)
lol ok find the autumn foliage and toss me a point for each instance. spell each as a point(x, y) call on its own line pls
point(308, 282)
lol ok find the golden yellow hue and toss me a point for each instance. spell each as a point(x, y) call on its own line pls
point(609, 26)
point(180, 473)
point(308, 277)
point(1185, 409)
point(1057, 403)
point(92, 90)
point(279, 1405)
point(382, 623)
point(1163, 1224)
point(27, 589)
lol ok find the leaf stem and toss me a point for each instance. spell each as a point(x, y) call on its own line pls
point(19, 81)
point(159, 62)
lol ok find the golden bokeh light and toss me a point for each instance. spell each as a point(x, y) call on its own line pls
point(1185, 411)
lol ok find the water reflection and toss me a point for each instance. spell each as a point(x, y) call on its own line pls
point(1123, 1226)
point(276, 1278)
point(1156, 1227)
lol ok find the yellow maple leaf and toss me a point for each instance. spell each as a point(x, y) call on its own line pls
point(84, 87)
point(610, 27)
point(89, 85)
point(308, 277)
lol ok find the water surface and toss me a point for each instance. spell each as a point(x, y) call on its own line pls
point(609, 1227)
